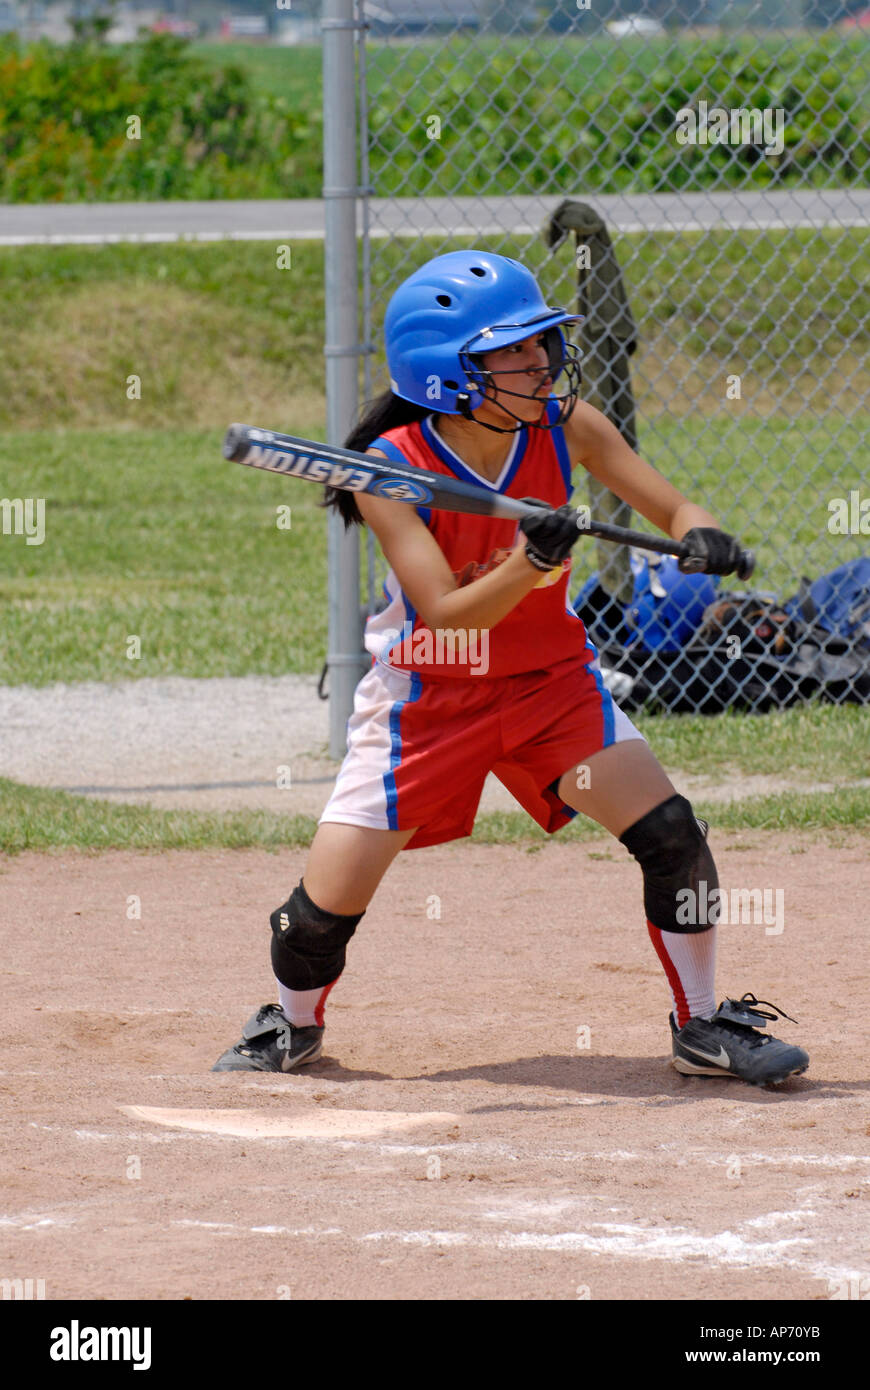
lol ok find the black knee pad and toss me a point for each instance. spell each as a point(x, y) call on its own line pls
point(309, 945)
point(670, 845)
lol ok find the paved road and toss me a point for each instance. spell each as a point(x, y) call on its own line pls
point(273, 219)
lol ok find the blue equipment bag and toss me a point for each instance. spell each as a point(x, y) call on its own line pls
point(744, 650)
point(838, 601)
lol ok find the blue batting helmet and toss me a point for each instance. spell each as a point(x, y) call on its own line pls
point(458, 306)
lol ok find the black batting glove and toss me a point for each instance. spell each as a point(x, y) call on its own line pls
point(711, 552)
point(550, 535)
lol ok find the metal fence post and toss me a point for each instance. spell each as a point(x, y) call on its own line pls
point(341, 348)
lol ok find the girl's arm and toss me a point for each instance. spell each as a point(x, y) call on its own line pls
point(419, 564)
point(596, 443)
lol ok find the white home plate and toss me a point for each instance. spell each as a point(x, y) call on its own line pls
point(308, 1124)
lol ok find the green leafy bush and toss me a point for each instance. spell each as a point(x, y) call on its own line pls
point(65, 126)
point(596, 118)
point(617, 133)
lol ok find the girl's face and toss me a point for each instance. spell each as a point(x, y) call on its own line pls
point(527, 370)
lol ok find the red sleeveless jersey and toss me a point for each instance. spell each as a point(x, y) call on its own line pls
point(542, 629)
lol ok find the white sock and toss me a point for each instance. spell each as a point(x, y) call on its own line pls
point(689, 960)
point(304, 1007)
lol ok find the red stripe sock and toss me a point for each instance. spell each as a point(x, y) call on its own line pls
point(304, 1007)
point(689, 960)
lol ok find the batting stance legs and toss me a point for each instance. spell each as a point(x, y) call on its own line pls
point(623, 788)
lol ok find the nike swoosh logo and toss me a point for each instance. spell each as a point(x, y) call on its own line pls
point(723, 1060)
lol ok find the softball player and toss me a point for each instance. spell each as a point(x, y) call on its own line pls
point(479, 663)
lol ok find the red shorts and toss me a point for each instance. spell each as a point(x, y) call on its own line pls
point(418, 751)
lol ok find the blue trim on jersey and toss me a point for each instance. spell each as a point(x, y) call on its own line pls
point(410, 619)
point(396, 749)
point(393, 452)
point(606, 699)
point(561, 448)
point(458, 469)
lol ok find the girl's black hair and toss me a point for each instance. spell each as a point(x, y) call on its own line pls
point(385, 412)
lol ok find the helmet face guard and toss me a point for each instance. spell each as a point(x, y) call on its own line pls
point(563, 359)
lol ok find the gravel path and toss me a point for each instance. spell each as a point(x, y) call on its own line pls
point(204, 744)
point(209, 745)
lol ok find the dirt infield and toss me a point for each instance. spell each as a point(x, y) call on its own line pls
point(459, 1138)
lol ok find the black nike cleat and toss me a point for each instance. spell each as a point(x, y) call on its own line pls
point(729, 1044)
point(269, 1042)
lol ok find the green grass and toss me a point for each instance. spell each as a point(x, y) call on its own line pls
point(155, 535)
point(769, 482)
point(217, 331)
point(296, 73)
point(293, 74)
point(832, 811)
point(819, 742)
point(214, 332)
point(32, 818)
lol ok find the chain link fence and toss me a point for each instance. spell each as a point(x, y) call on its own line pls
point(719, 152)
